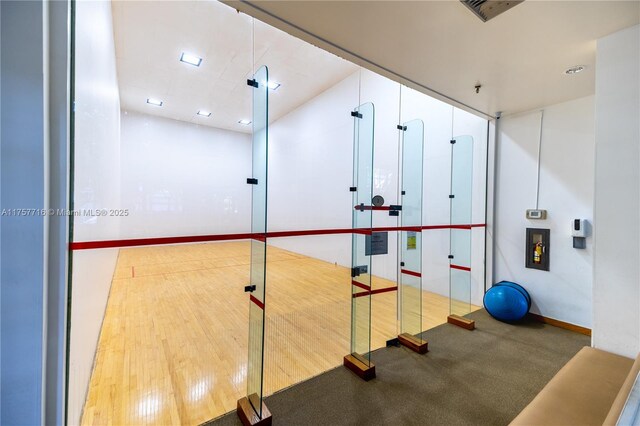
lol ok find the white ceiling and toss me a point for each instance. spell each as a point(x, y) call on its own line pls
point(519, 57)
point(151, 36)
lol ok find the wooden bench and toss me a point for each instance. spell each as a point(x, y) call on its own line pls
point(591, 389)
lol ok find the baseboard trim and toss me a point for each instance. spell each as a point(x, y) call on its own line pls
point(557, 323)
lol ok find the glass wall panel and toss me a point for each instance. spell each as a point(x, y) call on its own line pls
point(258, 242)
point(460, 219)
point(411, 240)
point(362, 226)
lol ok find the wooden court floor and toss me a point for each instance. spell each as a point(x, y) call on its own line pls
point(173, 345)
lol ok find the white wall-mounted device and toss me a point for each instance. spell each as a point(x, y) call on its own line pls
point(536, 214)
point(579, 228)
point(579, 231)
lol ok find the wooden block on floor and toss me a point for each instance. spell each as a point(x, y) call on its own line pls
point(248, 415)
point(463, 322)
point(357, 364)
point(414, 343)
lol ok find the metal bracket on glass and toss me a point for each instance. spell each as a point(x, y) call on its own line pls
point(403, 192)
point(450, 256)
point(401, 263)
point(357, 270)
point(249, 288)
point(452, 196)
point(400, 127)
point(353, 188)
point(393, 342)
point(252, 181)
point(452, 141)
point(356, 114)
point(360, 207)
point(252, 83)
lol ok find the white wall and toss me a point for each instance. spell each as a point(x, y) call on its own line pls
point(616, 293)
point(566, 192)
point(96, 186)
point(179, 178)
point(22, 186)
point(310, 171)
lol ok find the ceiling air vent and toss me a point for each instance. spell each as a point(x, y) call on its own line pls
point(487, 9)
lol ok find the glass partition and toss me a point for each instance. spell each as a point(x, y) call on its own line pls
point(460, 220)
point(410, 278)
point(362, 229)
point(258, 241)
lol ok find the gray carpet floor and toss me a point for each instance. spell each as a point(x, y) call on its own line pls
point(481, 377)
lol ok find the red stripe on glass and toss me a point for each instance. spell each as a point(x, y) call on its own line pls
point(361, 285)
point(376, 291)
point(258, 303)
point(462, 268)
point(408, 272)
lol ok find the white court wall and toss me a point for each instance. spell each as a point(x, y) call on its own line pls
point(96, 178)
point(566, 192)
point(616, 285)
point(181, 179)
point(310, 171)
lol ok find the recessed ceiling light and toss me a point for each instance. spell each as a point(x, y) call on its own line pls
point(575, 69)
point(154, 102)
point(273, 85)
point(190, 59)
point(245, 122)
point(204, 113)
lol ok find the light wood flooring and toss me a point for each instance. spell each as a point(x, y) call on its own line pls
point(173, 346)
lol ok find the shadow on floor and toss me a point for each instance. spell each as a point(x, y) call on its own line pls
point(481, 377)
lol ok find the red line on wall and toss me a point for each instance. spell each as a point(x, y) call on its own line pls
point(398, 228)
point(462, 268)
point(408, 272)
point(136, 242)
point(359, 207)
point(429, 227)
point(156, 241)
point(473, 225)
point(279, 234)
point(257, 302)
point(361, 285)
point(376, 291)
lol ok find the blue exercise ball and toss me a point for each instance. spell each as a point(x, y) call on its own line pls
point(519, 288)
point(507, 301)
